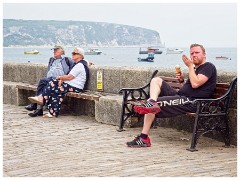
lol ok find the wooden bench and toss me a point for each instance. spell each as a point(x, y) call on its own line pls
point(89, 95)
point(211, 114)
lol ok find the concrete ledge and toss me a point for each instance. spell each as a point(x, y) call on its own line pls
point(10, 93)
point(108, 109)
point(24, 72)
point(76, 106)
point(232, 117)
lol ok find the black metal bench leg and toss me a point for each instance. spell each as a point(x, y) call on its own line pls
point(121, 124)
point(227, 134)
point(122, 119)
point(194, 136)
point(124, 115)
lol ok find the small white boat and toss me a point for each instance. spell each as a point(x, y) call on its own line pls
point(174, 51)
point(31, 52)
point(92, 51)
point(222, 58)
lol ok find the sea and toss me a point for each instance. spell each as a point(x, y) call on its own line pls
point(126, 57)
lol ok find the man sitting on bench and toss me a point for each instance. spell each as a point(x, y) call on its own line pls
point(165, 101)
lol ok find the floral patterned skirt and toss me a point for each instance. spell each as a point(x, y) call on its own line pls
point(53, 95)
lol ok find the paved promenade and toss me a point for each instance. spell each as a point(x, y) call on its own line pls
point(77, 146)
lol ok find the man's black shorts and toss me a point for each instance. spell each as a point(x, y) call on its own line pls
point(172, 104)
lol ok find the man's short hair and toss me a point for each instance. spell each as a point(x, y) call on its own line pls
point(201, 46)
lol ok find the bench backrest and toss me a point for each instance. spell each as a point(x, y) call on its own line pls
point(220, 90)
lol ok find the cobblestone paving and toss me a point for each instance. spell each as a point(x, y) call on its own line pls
point(77, 146)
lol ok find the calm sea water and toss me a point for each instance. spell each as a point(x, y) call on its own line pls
point(127, 56)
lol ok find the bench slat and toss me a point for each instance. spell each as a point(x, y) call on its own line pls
point(220, 90)
point(27, 87)
point(83, 96)
point(88, 95)
point(169, 79)
point(223, 85)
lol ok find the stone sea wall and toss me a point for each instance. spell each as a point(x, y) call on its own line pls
point(108, 108)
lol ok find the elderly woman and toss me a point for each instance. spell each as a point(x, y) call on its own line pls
point(57, 89)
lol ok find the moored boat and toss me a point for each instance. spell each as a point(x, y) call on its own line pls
point(174, 51)
point(150, 58)
point(222, 58)
point(150, 50)
point(31, 52)
point(92, 51)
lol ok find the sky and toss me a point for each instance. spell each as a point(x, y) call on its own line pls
point(179, 24)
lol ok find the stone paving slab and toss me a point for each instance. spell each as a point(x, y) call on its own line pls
point(78, 146)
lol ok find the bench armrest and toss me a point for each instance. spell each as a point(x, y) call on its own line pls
point(139, 89)
point(133, 89)
point(131, 94)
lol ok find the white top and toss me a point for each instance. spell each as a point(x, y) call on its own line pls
point(79, 73)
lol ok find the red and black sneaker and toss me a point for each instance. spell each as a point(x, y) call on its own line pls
point(150, 106)
point(139, 142)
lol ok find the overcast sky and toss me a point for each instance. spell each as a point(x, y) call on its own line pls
point(179, 24)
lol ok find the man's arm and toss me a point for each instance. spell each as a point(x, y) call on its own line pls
point(49, 65)
point(71, 63)
point(196, 80)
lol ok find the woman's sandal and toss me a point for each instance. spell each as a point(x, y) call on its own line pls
point(48, 115)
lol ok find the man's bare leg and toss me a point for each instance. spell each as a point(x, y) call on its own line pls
point(155, 90)
point(143, 140)
point(148, 120)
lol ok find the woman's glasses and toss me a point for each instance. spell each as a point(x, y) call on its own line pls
point(73, 53)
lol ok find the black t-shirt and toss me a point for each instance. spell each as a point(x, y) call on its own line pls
point(207, 89)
